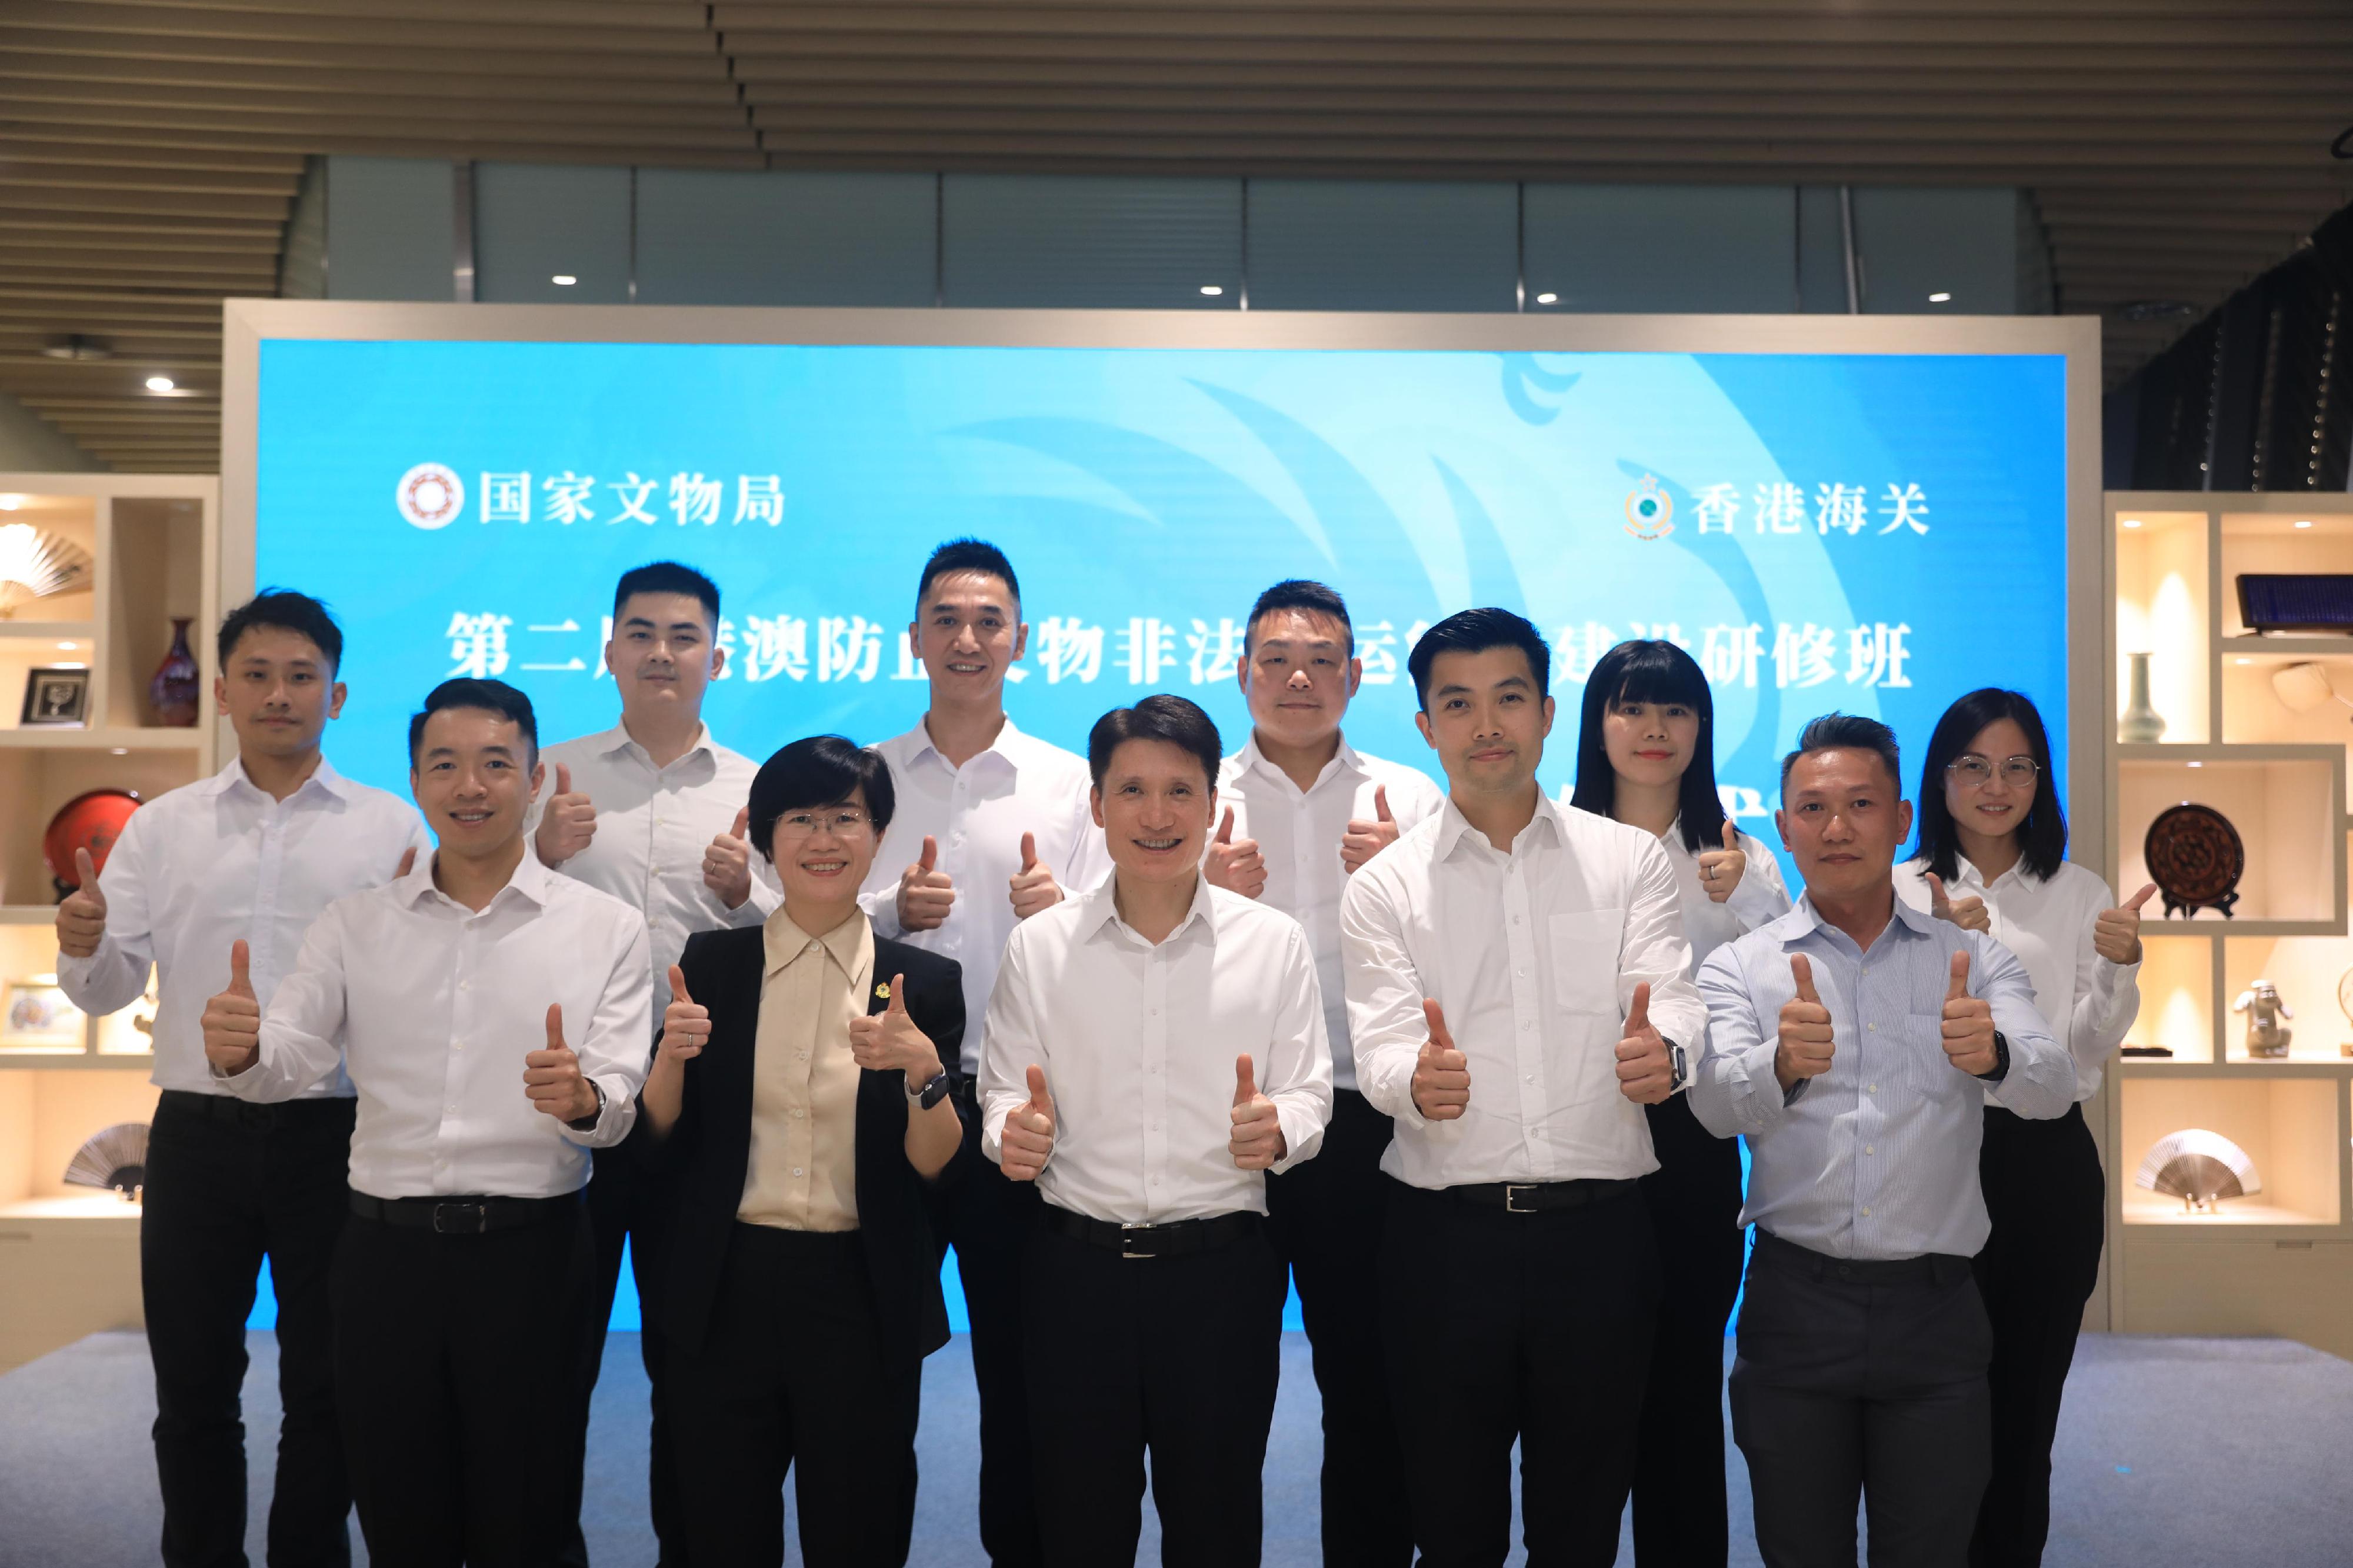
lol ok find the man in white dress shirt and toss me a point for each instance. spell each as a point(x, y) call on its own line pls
point(255, 852)
point(494, 1017)
point(1301, 811)
point(992, 826)
point(1518, 991)
point(652, 811)
point(1153, 1046)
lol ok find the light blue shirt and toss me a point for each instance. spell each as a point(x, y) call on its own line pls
point(1876, 1158)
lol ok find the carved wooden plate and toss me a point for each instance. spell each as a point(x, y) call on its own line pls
point(2196, 859)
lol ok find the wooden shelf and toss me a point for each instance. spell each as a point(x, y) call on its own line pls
point(143, 738)
point(58, 631)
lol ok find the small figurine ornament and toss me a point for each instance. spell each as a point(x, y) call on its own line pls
point(2266, 1036)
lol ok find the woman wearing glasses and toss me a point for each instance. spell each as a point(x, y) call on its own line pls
point(1646, 757)
point(1991, 858)
point(797, 1108)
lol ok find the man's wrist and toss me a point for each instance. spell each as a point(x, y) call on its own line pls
point(586, 1121)
point(2000, 1069)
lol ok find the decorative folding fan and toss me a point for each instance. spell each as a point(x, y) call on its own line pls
point(114, 1157)
point(2201, 1168)
point(34, 565)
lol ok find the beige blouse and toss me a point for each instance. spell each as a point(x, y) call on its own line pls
point(802, 1173)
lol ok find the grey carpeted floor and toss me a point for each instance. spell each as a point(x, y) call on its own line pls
point(2171, 1452)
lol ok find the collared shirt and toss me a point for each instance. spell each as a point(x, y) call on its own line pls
point(1137, 1041)
point(1533, 955)
point(1708, 925)
point(978, 812)
point(439, 1005)
point(652, 828)
point(2089, 1002)
point(1876, 1158)
point(803, 1171)
point(218, 860)
point(1299, 834)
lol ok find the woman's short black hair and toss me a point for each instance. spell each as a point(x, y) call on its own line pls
point(490, 696)
point(1650, 672)
point(813, 771)
point(287, 611)
point(1179, 720)
point(1475, 631)
point(2042, 836)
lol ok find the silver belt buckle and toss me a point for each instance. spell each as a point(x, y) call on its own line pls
point(1511, 1191)
point(477, 1214)
point(1137, 1224)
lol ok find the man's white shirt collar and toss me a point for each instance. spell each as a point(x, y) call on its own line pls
point(234, 776)
point(617, 740)
point(1250, 759)
point(531, 880)
point(1100, 907)
point(1452, 824)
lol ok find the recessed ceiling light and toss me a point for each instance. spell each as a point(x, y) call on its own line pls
point(159, 383)
point(2304, 522)
point(1940, 299)
point(1213, 290)
point(564, 281)
point(11, 502)
point(1548, 298)
point(2132, 523)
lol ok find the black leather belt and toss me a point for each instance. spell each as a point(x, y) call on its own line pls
point(248, 1113)
point(467, 1216)
point(1169, 1240)
point(1537, 1197)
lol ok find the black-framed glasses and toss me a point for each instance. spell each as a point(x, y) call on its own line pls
point(1973, 771)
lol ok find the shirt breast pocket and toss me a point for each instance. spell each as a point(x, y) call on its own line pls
point(1585, 945)
point(1924, 1065)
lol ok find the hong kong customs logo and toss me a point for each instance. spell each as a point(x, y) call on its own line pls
point(1649, 510)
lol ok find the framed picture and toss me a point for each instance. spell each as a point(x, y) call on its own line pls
point(56, 696)
point(39, 1018)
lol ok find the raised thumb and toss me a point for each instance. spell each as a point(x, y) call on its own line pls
point(678, 986)
point(930, 857)
point(563, 779)
point(1940, 900)
point(1638, 1016)
point(2137, 900)
point(240, 972)
point(1028, 852)
point(1381, 803)
point(1436, 1019)
point(1959, 988)
point(897, 995)
point(1226, 827)
point(85, 873)
point(1038, 1095)
point(555, 1026)
point(1802, 972)
point(743, 821)
point(1731, 835)
point(1245, 1082)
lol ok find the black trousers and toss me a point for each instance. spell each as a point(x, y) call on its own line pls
point(622, 1209)
point(1530, 1327)
point(2048, 1201)
point(792, 1375)
point(1862, 1379)
point(1325, 1222)
point(1682, 1518)
point(458, 1382)
point(227, 1184)
point(1174, 1355)
point(988, 1219)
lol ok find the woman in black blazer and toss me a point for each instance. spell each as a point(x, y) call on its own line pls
point(796, 1111)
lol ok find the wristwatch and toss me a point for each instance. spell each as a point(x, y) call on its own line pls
point(2001, 1060)
point(588, 1122)
point(929, 1094)
point(1683, 1069)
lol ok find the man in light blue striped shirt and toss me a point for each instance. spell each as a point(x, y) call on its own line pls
point(1852, 1041)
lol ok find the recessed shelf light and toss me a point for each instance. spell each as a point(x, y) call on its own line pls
point(1213, 290)
point(2304, 522)
point(2132, 523)
point(11, 502)
point(159, 383)
point(67, 646)
point(2243, 662)
point(564, 281)
point(1940, 299)
point(1548, 298)
point(2196, 764)
point(118, 751)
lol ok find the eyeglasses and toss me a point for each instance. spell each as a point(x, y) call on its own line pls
point(1973, 771)
point(843, 820)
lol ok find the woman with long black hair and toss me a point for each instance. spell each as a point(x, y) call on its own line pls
point(1992, 857)
point(1646, 757)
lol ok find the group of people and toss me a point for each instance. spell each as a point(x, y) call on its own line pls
point(1141, 1035)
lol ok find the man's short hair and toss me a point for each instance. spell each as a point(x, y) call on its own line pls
point(667, 577)
point(490, 696)
point(1476, 631)
point(286, 611)
point(1847, 732)
point(1299, 594)
point(1163, 715)
point(814, 771)
point(967, 555)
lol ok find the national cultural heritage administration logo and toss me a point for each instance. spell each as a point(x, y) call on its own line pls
point(430, 496)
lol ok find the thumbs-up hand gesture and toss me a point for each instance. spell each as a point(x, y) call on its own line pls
point(889, 1041)
point(1033, 886)
point(1235, 863)
point(686, 1025)
point(727, 864)
point(82, 919)
point(1969, 913)
point(551, 1076)
point(1256, 1142)
point(567, 825)
point(2116, 934)
point(1646, 1068)
point(925, 894)
point(1720, 871)
point(1442, 1075)
point(1362, 840)
point(232, 1021)
point(1968, 1024)
point(1804, 1048)
point(1028, 1136)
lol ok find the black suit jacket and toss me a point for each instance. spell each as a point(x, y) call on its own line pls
point(703, 1161)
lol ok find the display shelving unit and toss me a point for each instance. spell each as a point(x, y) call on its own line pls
point(2279, 1262)
point(71, 1256)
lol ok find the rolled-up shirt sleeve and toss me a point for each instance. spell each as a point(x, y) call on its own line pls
point(1009, 1047)
point(616, 1052)
point(303, 1029)
point(1385, 1022)
point(1656, 952)
point(1733, 1089)
point(1297, 1072)
point(2040, 1082)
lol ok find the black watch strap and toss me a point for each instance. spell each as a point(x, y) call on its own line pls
point(931, 1093)
point(2001, 1060)
point(588, 1122)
